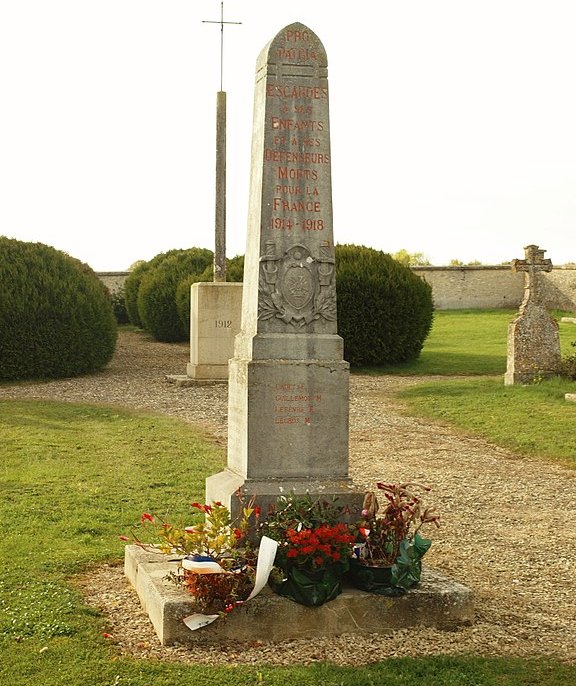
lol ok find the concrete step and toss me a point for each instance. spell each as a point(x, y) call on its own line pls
point(436, 602)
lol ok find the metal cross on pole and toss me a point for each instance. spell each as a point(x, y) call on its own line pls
point(221, 22)
point(220, 216)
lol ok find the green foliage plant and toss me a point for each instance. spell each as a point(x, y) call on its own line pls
point(131, 286)
point(568, 368)
point(385, 311)
point(134, 279)
point(157, 293)
point(56, 317)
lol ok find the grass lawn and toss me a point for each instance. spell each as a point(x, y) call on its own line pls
point(535, 419)
point(470, 342)
point(75, 477)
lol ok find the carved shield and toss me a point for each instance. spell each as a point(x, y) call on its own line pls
point(297, 286)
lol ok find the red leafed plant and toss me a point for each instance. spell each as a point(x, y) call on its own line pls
point(382, 533)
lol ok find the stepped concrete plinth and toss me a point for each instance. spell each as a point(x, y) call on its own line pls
point(436, 602)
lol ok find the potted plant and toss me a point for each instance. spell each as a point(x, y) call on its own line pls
point(217, 557)
point(314, 549)
point(389, 547)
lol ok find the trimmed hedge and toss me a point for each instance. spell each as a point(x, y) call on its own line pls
point(157, 292)
point(56, 317)
point(134, 279)
point(385, 311)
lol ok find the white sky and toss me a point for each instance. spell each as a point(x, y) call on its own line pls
point(453, 123)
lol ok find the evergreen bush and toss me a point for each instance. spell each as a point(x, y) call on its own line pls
point(56, 317)
point(157, 292)
point(385, 311)
point(131, 286)
point(133, 280)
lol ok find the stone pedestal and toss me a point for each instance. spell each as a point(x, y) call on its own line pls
point(437, 602)
point(215, 312)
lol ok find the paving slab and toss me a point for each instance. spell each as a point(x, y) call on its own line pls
point(437, 601)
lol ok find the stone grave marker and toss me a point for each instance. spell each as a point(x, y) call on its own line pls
point(288, 382)
point(533, 341)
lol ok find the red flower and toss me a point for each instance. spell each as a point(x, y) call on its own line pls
point(257, 511)
point(146, 517)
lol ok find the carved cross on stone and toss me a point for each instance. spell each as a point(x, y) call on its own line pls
point(533, 263)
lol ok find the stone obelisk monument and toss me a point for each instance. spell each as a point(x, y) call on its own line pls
point(288, 382)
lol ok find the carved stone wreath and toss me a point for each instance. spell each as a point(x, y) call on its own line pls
point(296, 287)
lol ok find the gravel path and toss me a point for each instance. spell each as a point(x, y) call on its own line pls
point(508, 522)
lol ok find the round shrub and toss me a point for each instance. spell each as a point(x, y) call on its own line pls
point(385, 311)
point(56, 317)
point(157, 293)
point(133, 280)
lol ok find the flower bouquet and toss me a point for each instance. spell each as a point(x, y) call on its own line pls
point(314, 549)
point(389, 547)
point(217, 557)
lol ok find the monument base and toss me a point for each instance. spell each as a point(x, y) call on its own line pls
point(436, 601)
point(201, 372)
point(232, 489)
point(215, 310)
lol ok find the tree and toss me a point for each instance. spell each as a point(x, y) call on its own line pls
point(415, 259)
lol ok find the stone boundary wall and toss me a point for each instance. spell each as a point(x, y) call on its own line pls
point(113, 281)
point(462, 288)
point(485, 287)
